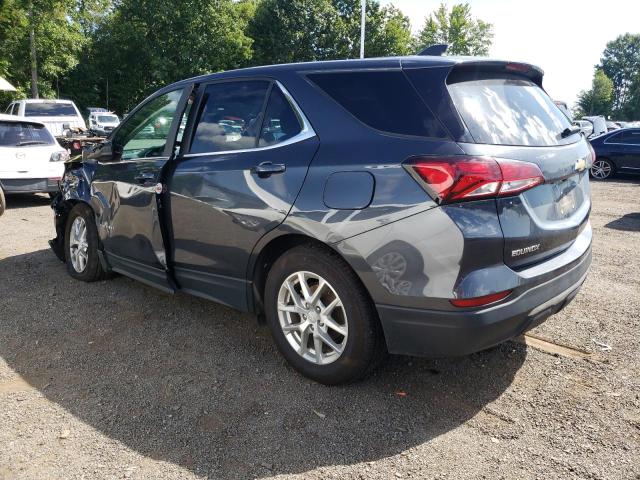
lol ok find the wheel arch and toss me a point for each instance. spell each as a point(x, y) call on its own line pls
point(62, 208)
point(269, 252)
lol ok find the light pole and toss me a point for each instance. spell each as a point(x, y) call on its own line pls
point(363, 16)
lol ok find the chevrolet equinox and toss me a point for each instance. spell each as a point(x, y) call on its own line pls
point(430, 206)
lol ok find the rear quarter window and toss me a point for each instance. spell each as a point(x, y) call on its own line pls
point(509, 111)
point(383, 100)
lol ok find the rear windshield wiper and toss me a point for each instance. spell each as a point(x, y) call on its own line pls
point(31, 142)
point(572, 130)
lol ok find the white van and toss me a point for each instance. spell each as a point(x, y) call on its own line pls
point(53, 113)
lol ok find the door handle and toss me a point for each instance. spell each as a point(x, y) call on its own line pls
point(266, 169)
point(145, 177)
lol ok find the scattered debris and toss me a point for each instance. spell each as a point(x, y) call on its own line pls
point(320, 414)
point(494, 440)
point(64, 434)
point(549, 346)
point(400, 393)
point(603, 346)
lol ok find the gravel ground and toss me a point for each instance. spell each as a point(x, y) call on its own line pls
point(117, 380)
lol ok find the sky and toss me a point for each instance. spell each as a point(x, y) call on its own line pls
point(564, 37)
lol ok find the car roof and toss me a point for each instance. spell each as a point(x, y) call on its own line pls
point(415, 61)
point(43, 100)
point(17, 119)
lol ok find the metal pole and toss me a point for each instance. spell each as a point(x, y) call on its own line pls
point(362, 22)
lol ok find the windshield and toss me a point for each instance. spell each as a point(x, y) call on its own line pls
point(16, 134)
point(510, 111)
point(49, 110)
point(108, 119)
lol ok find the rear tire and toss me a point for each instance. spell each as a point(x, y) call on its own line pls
point(2, 202)
point(81, 245)
point(602, 169)
point(321, 317)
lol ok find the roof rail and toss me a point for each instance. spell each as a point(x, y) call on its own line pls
point(436, 50)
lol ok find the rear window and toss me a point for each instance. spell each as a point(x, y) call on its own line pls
point(16, 134)
point(49, 110)
point(509, 111)
point(383, 100)
point(108, 119)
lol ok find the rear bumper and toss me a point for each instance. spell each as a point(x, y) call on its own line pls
point(29, 185)
point(436, 333)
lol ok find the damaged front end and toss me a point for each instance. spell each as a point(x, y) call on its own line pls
point(75, 187)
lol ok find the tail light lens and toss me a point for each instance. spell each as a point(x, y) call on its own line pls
point(459, 178)
point(593, 154)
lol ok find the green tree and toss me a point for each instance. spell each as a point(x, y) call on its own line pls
point(621, 63)
point(143, 45)
point(457, 28)
point(40, 43)
point(286, 31)
point(599, 99)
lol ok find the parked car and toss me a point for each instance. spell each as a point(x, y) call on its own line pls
point(616, 151)
point(585, 126)
point(430, 206)
point(599, 125)
point(612, 126)
point(103, 123)
point(32, 161)
point(55, 114)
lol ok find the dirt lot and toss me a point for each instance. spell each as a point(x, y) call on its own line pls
point(117, 380)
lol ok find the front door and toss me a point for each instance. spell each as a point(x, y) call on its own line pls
point(630, 149)
point(127, 183)
point(237, 177)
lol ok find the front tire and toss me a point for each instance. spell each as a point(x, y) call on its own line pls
point(321, 318)
point(602, 169)
point(81, 245)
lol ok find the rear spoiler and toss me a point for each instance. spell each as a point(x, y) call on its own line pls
point(476, 70)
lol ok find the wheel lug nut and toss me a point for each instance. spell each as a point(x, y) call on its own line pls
point(318, 309)
point(321, 324)
point(304, 317)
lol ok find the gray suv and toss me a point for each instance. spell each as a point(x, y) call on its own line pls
point(430, 206)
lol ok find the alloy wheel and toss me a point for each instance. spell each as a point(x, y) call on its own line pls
point(601, 169)
point(78, 245)
point(312, 317)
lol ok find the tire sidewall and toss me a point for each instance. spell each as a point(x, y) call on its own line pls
point(359, 349)
point(92, 270)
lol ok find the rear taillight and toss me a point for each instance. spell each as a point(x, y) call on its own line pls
point(460, 177)
point(593, 154)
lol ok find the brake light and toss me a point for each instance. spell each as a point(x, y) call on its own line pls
point(517, 67)
point(593, 154)
point(459, 178)
point(480, 301)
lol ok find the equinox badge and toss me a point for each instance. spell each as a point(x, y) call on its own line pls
point(521, 251)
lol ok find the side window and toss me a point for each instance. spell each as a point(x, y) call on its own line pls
point(615, 138)
point(230, 116)
point(144, 134)
point(631, 137)
point(383, 100)
point(280, 121)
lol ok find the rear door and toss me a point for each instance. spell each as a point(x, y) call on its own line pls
point(629, 149)
point(127, 183)
point(240, 170)
point(507, 115)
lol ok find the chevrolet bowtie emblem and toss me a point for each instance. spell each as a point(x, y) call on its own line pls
point(580, 165)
